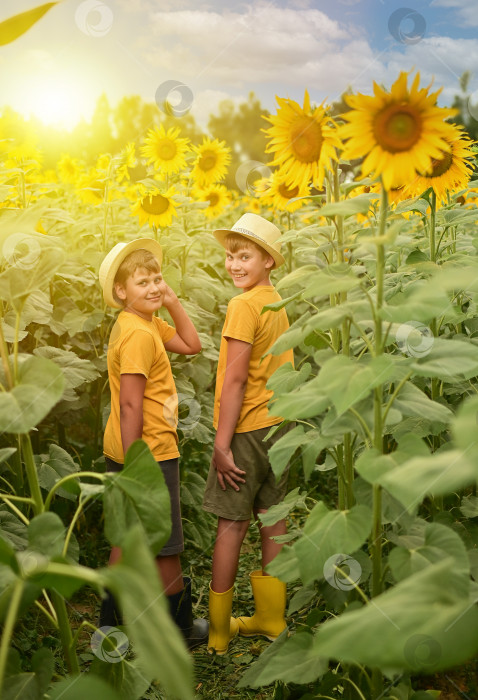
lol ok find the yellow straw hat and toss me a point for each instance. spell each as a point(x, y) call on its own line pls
point(109, 266)
point(254, 227)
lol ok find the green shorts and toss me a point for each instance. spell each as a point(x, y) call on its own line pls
point(261, 491)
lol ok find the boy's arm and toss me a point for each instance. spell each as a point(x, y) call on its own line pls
point(131, 396)
point(232, 396)
point(186, 341)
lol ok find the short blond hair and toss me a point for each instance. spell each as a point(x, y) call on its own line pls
point(138, 258)
point(234, 242)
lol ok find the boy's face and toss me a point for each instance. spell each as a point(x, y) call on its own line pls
point(249, 267)
point(142, 294)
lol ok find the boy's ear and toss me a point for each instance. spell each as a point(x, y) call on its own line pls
point(269, 262)
point(120, 291)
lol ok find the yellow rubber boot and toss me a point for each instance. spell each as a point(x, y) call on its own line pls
point(222, 627)
point(270, 600)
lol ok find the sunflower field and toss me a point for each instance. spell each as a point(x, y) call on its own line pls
point(378, 211)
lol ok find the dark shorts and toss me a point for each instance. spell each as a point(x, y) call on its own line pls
point(261, 491)
point(170, 469)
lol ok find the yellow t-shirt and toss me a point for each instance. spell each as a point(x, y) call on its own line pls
point(136, 346)
point(244, 322)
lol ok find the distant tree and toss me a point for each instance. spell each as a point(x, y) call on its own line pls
point(467, 106)
point(240, 127)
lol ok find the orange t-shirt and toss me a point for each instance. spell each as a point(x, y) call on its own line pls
point(245, 322)
point(136, 346)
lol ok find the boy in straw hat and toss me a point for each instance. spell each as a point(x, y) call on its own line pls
point(240, 479)
point(142, 387)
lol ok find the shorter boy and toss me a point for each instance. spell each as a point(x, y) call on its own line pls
point(142, 387)
point(240, 477)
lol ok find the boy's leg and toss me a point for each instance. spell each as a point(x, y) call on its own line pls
point(225, 559)
point(270, 549)
point(170, 573)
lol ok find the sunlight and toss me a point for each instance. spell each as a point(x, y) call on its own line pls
point(57, 103)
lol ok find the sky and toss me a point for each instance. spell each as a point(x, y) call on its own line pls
point(194, 54)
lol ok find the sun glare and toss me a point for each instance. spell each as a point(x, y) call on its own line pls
point(56, 103)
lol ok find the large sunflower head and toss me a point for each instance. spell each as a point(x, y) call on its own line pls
point(155, 207)
point(218, 197)
point(165, 149)
point(397, 131)
point(212, 159)
point(303, 141)
point(450, 172)
point(279, 193)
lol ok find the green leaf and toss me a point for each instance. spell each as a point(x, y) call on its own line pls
point(431, 544)
point(290, 660)
point(13, 530)
point(76, 371)
point(338, 277)
point(286, 378)
point(281, 451)
point(469, 506)
point(14, 27)
point(39, 388)
point(411, 401)
point(43, 664)
point(23, 686)
point(155, 637)
point(464, 427)
point(81, 687)
point(6, 452)
point(294, 499)
point(278, 305)
point(46, 534)
point(306, 401)
point(349, 207)
point(327, 533)
point(447, 359)
point(426, 620)
point(138, 494)
point(17, 283)
point(440, 473)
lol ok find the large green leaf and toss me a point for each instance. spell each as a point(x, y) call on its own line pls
point(22, 686)
point(39, 387)
point(281, 451)
point(77, 371)
point(411, 401)
point(338, 277)
point(424, 624)
point(464, 428)
point(286, 378)
point(81, 687)
point(294, 499)
point(46, 534)
point(292, 660)
point(447, 359)
point(14, 27)
point(326, 534)
point(349, 207)
point(138, 494)
point(307, 401)
point(438, 474)
point(155, 638)
point(428, 543)
point(17, 283)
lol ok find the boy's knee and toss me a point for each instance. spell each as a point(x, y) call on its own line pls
point(232, 528)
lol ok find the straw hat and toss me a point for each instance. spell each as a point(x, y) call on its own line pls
point(109, 266)
point(263, 232)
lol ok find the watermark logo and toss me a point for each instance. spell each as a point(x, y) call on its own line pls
point(94, 18)
point(31, 563)
point(109, 644)
point(21, 250)
point(422, 652)
point(414, 338)
point(249, 174)
point(182, 410)
point(174, 98)
point(407, 26)
point(342, 572)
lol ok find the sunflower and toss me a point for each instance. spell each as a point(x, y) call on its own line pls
point(165, 149)
point(303, 141)
point(218, 197)
point(69, 168)
point(451, 172)
point(126, 162)
point(212, 159)
point(155, 207)
point(279, 193)
point(396, 131)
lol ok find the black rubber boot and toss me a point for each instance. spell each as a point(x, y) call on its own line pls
point(195, 632)
point(110, 615)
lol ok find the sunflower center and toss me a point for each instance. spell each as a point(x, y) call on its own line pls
point(286, 192)
point(167, 150)
point(397, 128)
point(155, 204)
point(207, 161)
point(440, 166)
point(306, 139)
point(213, 199)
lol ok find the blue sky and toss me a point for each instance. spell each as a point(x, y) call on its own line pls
point(83, 48)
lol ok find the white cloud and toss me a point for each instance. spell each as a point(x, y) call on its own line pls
point(466, 10)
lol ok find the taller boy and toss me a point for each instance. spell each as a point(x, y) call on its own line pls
point(240, 479)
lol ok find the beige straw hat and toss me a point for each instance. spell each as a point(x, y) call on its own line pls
point(109, 266)
point(263, 232)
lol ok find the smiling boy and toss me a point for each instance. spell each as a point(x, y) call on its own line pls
point(240, 479)
point(143, 396)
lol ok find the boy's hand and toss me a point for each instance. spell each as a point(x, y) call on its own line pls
point(227, 472)
point(169, 297)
